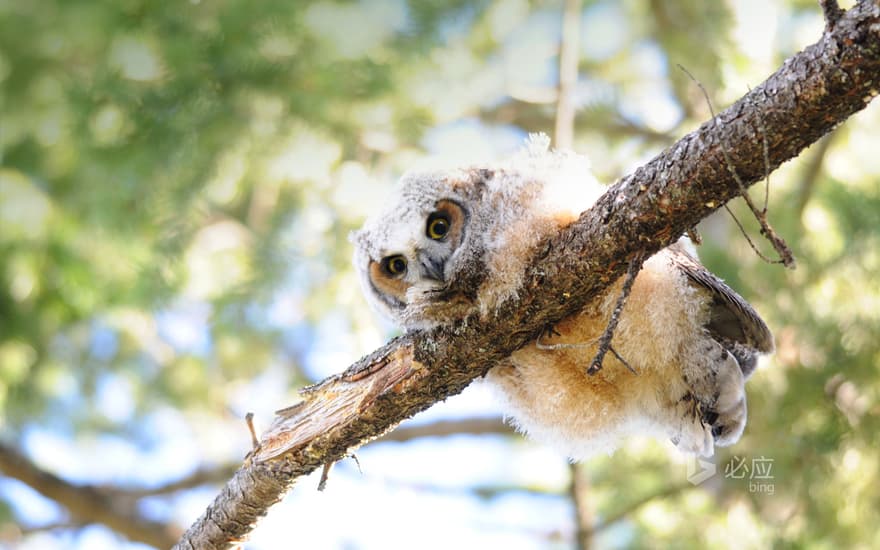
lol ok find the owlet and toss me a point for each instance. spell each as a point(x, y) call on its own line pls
point(457, 242)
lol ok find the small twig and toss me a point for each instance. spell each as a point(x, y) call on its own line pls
point(749, 239)
point(779, 244)
point(249, 420)
point(553, 347)
point(45, 528)
point(357, 462)
point(832, 13)
point(325, 471)
point(325, 474)
point(551, 331)
point(622, 360)
point(812, 171)
point(635, 265)
point(766, 147)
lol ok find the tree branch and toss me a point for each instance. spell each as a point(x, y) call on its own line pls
point(569, 54)
point(831, 11)
point(202, 476)
point(626, 512)
point(812, 171)
point(536, 116)
point(579, 491)
point(812, 93)
point(85, 503)
point(441, 428)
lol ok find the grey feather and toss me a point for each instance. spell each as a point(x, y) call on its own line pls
point(734, 323)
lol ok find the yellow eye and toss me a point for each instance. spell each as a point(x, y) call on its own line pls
point(438, 227)
point(394, 265)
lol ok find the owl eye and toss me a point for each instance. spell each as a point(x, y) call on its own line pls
point(394, 265)
point(438, 226)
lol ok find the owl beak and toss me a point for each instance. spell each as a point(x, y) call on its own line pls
point(431, 268)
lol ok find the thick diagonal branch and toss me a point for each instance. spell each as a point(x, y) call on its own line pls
point(812, 93)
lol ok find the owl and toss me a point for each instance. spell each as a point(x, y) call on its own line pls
point(456, 243)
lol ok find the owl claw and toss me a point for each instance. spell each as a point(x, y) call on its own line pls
point(718, 384)
point(696, 439)
point(729, 424)
point(713, 409)
point(709, 417)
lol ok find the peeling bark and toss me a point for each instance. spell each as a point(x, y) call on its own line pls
point(808, 96)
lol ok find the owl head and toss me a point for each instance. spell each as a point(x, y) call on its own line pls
point(412, 256)
point(455, 242)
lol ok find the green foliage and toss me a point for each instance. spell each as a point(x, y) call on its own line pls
point(177, 181)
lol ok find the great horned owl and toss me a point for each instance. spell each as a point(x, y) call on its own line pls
point(457, 242)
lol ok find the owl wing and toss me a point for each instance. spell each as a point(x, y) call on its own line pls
point(733, 322)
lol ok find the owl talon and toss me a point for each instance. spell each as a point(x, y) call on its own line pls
point(717, 382)
point(729, 425)
point(696, 439)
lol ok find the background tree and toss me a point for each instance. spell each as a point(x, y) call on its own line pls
point(176, 184)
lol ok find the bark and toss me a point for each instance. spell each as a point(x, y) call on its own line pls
point(813, 92)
